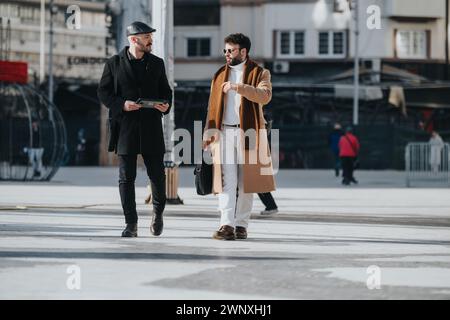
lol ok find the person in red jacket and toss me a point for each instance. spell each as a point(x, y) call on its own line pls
point(348, 152)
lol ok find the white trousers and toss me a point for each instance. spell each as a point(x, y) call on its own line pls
point(35, 158)
point(235, 206)
point(435, 158)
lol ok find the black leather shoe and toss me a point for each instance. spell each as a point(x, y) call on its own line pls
point(156, 227)
point(130, 230)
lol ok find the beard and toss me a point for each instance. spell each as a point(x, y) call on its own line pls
point(236, 60)
point(144, 48)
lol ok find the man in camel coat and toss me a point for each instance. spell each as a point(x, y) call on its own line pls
point(236, 135)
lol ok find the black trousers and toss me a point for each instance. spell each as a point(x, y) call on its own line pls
point(347, 168)
point(337, 163)
point(127, 176)
point(268, 200)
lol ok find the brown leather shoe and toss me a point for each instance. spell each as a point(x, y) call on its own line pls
point(225, 233)
point(241, 233)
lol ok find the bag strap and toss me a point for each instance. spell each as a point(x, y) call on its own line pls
point(351, 144)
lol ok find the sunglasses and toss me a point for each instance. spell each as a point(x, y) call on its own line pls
point(225, 51)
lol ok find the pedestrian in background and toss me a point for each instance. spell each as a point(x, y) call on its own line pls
point(333, 142)
point(436, 146)
point(36, 151)
point(269, 203)
point(348, 151)
point(266, 197)
point(80, 152)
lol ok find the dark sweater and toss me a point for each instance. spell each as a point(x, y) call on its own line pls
point(138, 66)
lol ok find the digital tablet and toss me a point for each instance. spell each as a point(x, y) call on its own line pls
point(150, 103)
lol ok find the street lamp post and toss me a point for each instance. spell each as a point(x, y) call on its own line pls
point(42, 44)
point(447, 67)
point(356, 65)
point(162, 21)
point(52, 8)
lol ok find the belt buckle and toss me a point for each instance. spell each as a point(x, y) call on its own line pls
point(231, 125)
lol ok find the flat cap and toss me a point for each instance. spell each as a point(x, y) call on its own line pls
point(138, 27)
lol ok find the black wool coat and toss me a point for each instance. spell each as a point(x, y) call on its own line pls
point(140, 131)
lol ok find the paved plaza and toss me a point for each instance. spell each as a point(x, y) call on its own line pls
point(377, 240)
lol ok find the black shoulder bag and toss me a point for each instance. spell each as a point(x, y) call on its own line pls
point(203, 178)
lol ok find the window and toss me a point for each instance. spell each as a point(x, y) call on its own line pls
point(285, 43)
point(338, 43)
point(411, 44)
point(26, 13)
point(332, 44)
point(9, 11)
point(291, 43)
point(323, 43)
point(205, 13)
point(198, 47)
point(299, 43)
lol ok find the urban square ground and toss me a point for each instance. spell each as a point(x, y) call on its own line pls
point(375, 240)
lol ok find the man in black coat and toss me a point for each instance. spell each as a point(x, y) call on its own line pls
point(132, 74)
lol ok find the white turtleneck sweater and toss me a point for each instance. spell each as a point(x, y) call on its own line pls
point(231, 114)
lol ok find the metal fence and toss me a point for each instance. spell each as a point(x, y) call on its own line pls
point(427, 163)
point(32, 134)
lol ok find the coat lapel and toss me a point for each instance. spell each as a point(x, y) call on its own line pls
point(127, 66)
point(249, 110)
point(217, 99)
point(221, 79)
point(150, 62)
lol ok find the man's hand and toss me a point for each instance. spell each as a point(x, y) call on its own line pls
point(227, 86)
point(131, 106)
point(162, 107)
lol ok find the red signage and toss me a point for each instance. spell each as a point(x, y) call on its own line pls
point(13, 71)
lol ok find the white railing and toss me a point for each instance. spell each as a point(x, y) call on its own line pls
point(427, 163)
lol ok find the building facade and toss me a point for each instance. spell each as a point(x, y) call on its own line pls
point(302, 42)
point(78, 54)
point(81, 44)
point(288, 34)
point(309, 47)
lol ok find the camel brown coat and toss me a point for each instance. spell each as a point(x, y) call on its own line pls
point(255, 91)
